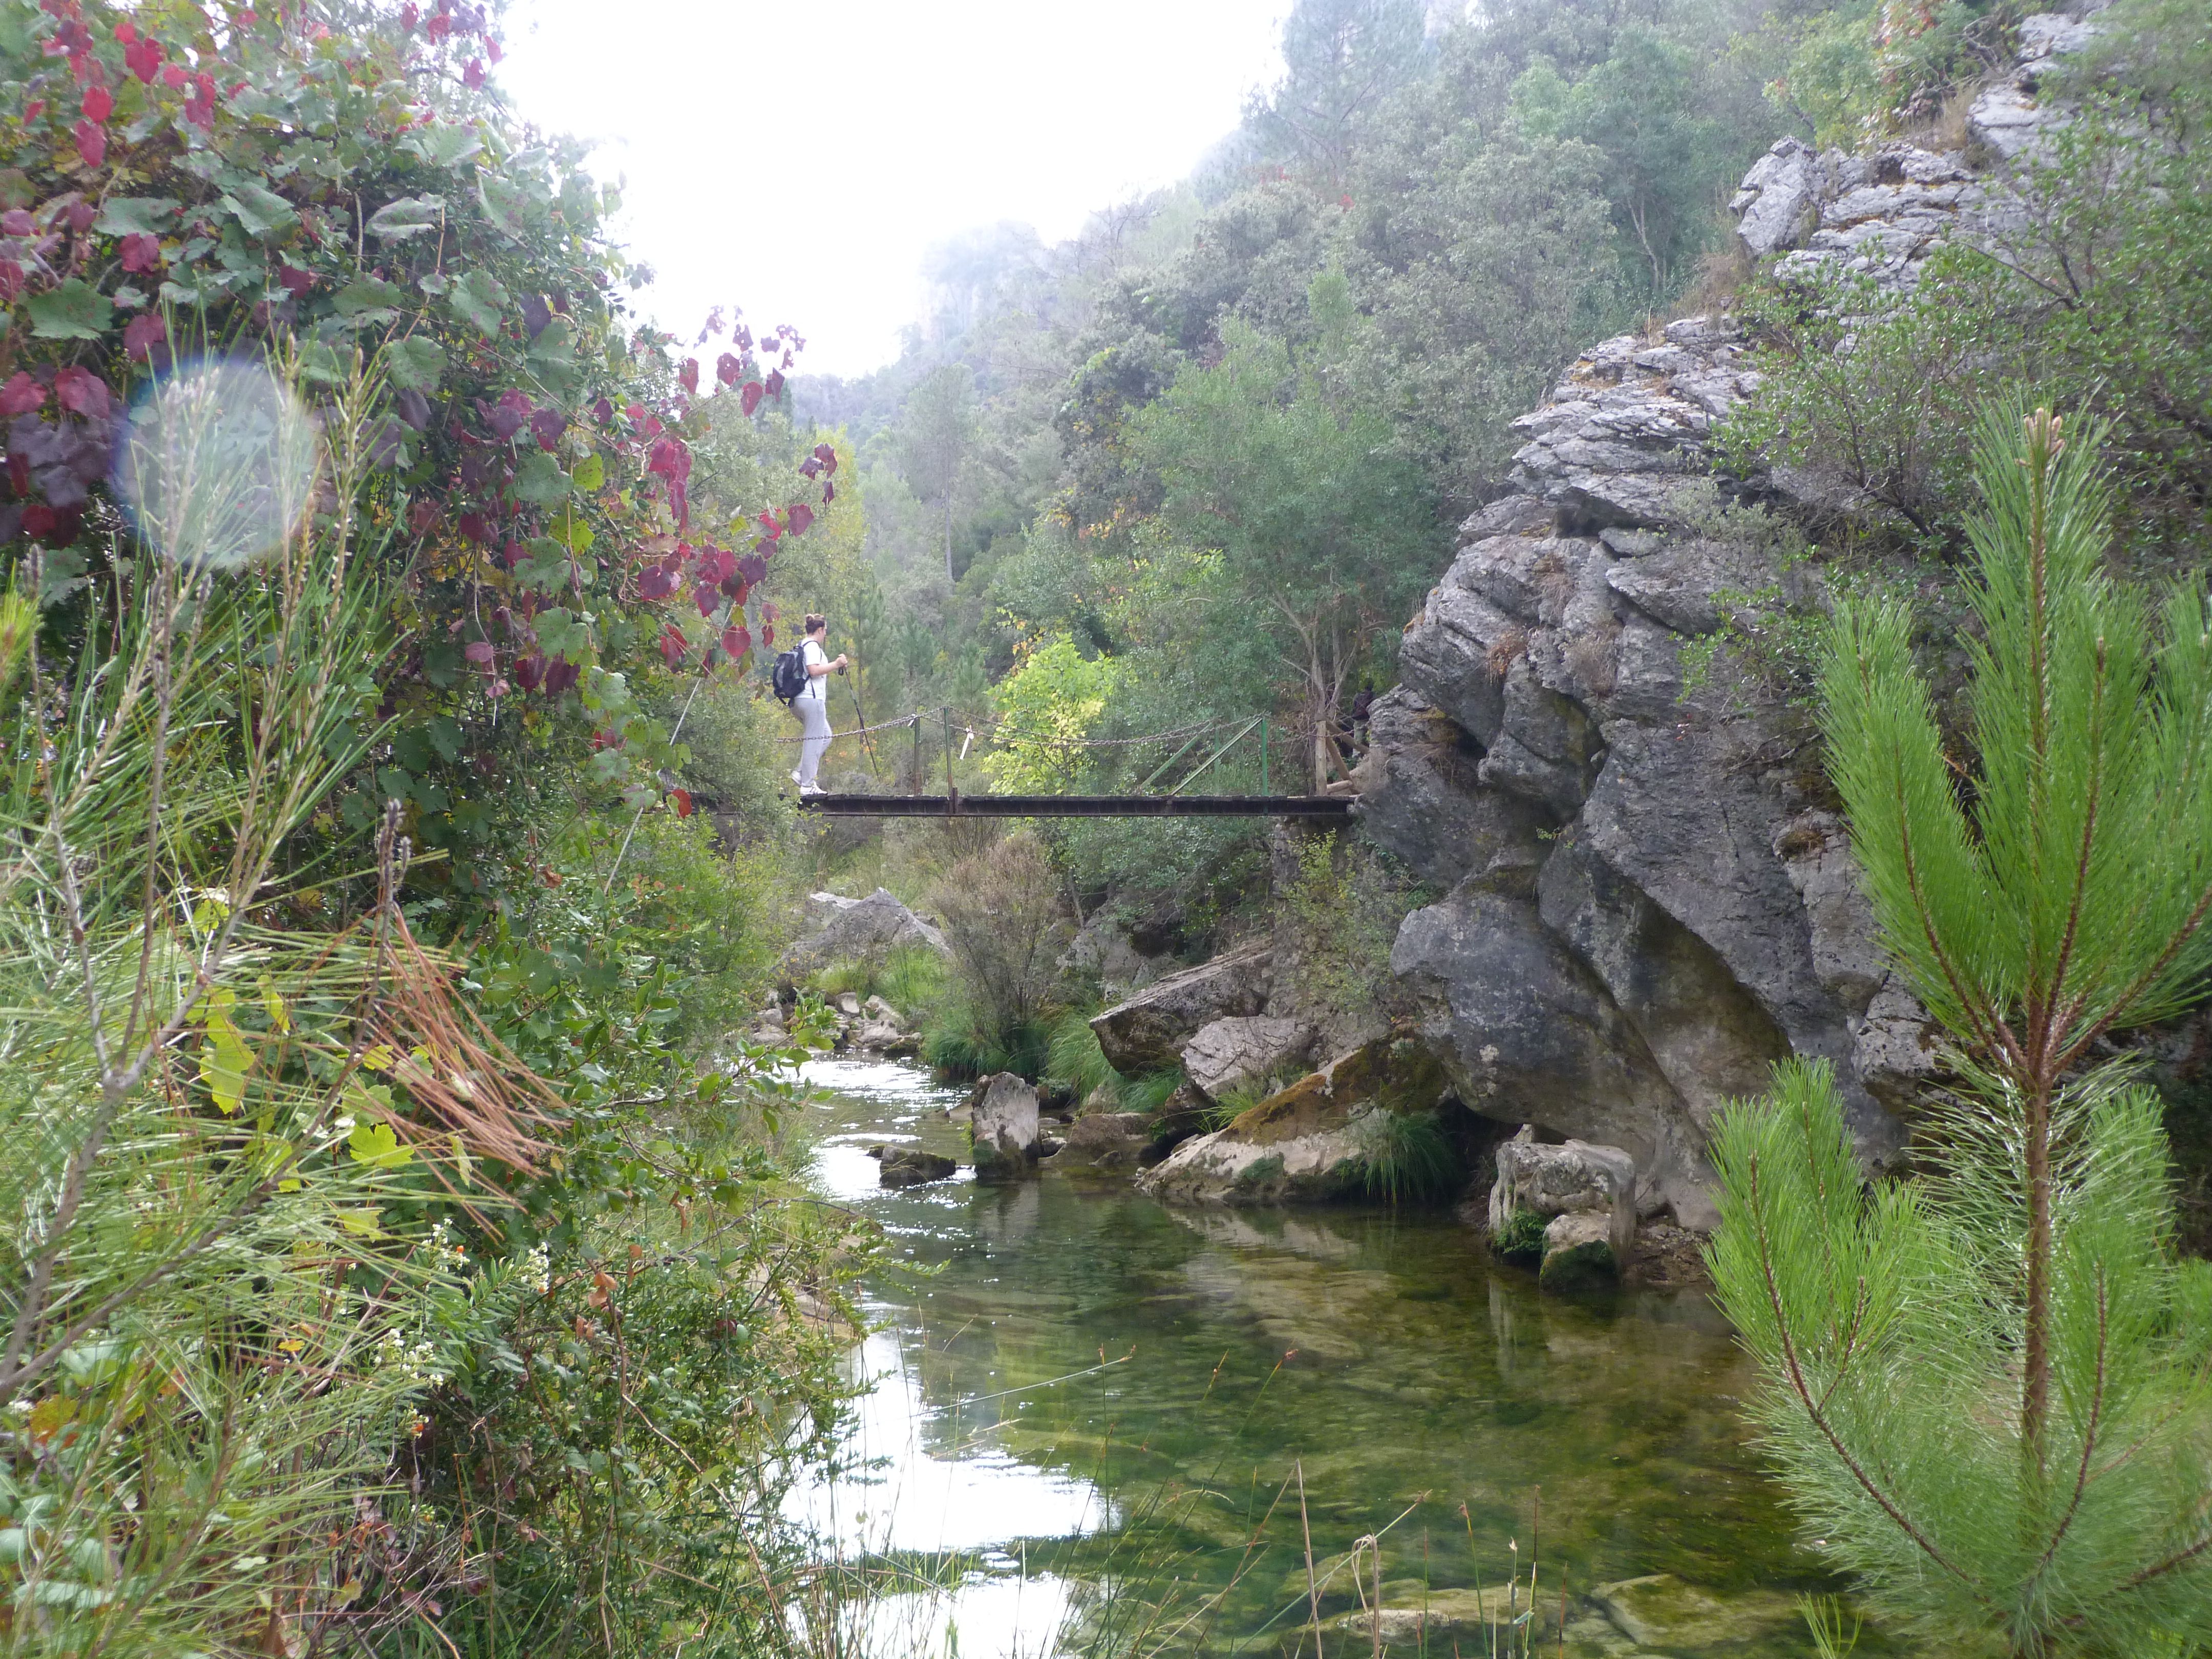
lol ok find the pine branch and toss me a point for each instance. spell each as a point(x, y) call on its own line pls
point(1819, 1418)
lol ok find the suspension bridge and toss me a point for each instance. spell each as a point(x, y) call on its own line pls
point(1165, 792)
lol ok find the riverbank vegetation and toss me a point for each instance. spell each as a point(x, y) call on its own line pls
point(396, 1263)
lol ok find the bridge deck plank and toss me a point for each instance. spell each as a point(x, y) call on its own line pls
point(1080, 806)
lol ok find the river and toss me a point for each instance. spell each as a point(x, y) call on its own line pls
point(1092, 1416)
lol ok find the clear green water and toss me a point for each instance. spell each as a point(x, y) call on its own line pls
point(1093, 1411)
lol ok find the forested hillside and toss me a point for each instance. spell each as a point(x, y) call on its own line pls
point(1198, 463)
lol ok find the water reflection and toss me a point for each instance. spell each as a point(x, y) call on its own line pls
point(1086, 1389)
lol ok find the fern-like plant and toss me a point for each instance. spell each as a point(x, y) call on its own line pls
point(1991, 1392)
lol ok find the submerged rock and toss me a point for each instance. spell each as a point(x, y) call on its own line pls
point(1418, 1620)
point(1146, 1032)
point(909, 1166)
point(1662, 1612)
point(1310, 1142)
point(1003, 1127)
point(1229, 1052)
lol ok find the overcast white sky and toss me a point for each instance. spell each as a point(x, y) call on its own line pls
point(797, 159)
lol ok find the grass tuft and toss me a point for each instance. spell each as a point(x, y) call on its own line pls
point(1409, 1159)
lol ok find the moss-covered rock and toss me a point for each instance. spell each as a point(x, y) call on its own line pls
point(1305, 1144)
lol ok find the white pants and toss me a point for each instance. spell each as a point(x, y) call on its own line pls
point(814, 725)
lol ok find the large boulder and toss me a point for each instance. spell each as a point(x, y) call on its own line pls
point(1104, 1143)
point(1312, 1142)
point(1578, 1255)
point(1146, 1032)
point(1561, 1180)
point(1003, 1127)
point(909, 1166)
point(1229, 1052)
point(855, 930)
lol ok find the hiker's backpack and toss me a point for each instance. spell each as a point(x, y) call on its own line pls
point(788, 677)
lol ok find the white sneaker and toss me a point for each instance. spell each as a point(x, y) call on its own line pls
point(808, 790)
point(795, 778)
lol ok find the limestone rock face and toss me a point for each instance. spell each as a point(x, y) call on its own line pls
point(1648, 898)
point(1230, 1052)
point(1146, 1032)
point(1878, 214)
point(1307, 1143)
point(855, 930)
point(1003, 1126)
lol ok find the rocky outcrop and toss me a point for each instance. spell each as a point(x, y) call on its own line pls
point(1146, 1032)
point(1879, 213)
point(1648, 899)
point(1310, 1142)
point(1563, 1180)
point(855, 930)
point(1586, 1196)
point(1003, 1127)
point(1230, 1053)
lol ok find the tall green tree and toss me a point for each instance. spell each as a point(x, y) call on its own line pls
point(1323, 534)
point(1991, 1393)
point(936, 433)
point(1343, 59)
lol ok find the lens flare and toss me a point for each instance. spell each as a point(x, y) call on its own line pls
point(217, 464)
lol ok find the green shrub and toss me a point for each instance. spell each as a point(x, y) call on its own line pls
point(961, 1046)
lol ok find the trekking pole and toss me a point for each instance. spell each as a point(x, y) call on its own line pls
point(867, 743)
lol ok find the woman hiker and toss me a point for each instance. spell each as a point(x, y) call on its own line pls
point(812, 705)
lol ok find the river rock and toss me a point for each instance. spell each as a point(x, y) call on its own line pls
point(1304, 1143)
point(909, 1166)
point(1228, 1052)
point(1109, 1142)
point(1003, 1127)
point(1146, 1032)
point(1414, 1620)
point(1579, 1253)
point(855, 930)
point(1662, 1612)
point(1555, 1180)
point(1576, 1179)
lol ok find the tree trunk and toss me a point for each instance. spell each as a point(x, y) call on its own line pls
point(2035, 1357)
point(948, 535)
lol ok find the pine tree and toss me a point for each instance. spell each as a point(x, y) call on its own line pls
point(1990, 1391)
